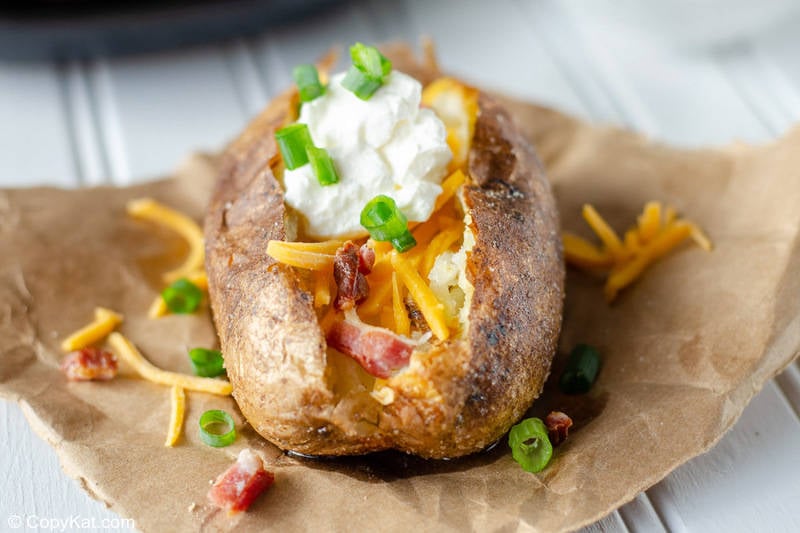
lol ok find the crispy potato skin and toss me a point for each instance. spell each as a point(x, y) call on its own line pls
point(275, 352)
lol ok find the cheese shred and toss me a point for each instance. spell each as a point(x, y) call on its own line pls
point(431, 308)
point(402, 324)
point(302, 257)
point(178, 402)
point(322, 288)
point(105, 320)
point(658, 231)
point(153, 211)
point(131, 355)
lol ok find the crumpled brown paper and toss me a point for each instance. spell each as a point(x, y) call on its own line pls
point(684, 349)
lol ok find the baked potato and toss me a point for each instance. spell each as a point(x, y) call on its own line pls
point(457, 392)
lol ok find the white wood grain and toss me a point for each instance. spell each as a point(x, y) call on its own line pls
point(640, 515)
point(33, 486)
point(92, 167)
point(496, 46)
point(681, 96)
point(278, 51)
point(736, 486)
point(154, 110)
point(34, 138)
point(789, 383)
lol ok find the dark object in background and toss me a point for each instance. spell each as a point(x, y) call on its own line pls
point(62, 29)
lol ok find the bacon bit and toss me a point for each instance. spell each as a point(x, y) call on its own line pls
point(379, 351)
point(415, 315)
point(89, 364)
point(236, 488)
point(347, 272)
point(366, 259)
point(558, 425)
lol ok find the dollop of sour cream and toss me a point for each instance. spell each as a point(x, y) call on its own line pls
point(384, 145)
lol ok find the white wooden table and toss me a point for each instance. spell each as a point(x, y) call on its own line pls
point(118, 121)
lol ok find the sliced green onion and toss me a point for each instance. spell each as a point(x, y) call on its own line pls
point(360, 84)
point(370, 61)
point(322, 165)
point(581, 371)
point(206, 363)
point(307, 80)
point(385, 222)
point(182, 297)
point(368, 72)
point(530, 445)
point(292, 142)
point(217, 428)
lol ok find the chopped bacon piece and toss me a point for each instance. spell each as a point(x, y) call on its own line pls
point(89, 364)
point(418, 321)
point(366, 259)
point(379, 351)
point(558, 425)
point(350, 280)
point(236, 488)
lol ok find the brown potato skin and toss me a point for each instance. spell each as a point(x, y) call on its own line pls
point(275, 352)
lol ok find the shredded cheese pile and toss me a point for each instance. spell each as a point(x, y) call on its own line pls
point(149, 209)
point(393, 274)
point(657, 232)
point(192, 267)
point(105, 320)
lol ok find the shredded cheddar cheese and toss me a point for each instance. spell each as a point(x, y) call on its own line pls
point(149, 209)
point(105, 320)
point(603, 230)
point(431, 308)
point(456, 105)
point(380, 287)
point(649, 222)
point(658, 231)
point(324, 247)
point(302, 257)
point(439, 244)
point(394, 276)
point(159, 307)
point(584, 254)
point(128, 353)
point(402, 323)
point(382, 394)
point(178, 402)
point(322, 288)
point(449, 187)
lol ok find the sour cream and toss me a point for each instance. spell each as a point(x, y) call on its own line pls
point(384, 145)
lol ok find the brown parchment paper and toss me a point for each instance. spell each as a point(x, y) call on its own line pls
point(684, 350)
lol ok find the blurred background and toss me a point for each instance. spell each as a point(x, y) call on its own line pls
point(97, 92)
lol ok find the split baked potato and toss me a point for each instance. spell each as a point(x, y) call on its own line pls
point(460, 391)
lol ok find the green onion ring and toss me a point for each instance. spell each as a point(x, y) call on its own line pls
point(530, 445)
point(212, 419)
point(385, 222)
point(322, 165)
point(581, 370)
point(182, 296)
point(360, 83)
point(308, 85)
point(206, 363)
point(292, 142)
